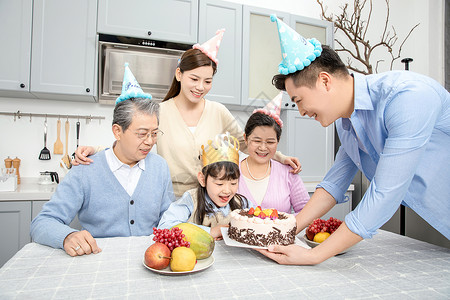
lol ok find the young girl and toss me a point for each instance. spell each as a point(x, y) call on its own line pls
point(264, 181)
point(188, 120)
point(216, 196)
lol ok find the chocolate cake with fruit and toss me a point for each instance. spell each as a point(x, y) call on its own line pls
point(259, 227)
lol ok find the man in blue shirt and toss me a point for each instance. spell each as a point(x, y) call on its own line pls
point(395, 128)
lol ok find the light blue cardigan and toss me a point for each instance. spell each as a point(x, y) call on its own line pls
point(104, 208)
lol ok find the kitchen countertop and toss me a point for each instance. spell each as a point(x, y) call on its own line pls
point(29, 189)
point(389, 266)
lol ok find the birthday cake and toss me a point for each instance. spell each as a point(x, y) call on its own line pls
point(259, 227)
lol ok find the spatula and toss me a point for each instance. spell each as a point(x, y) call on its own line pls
point(66, 159)
point(58, 146)
point(78, 138)
point(45, 153)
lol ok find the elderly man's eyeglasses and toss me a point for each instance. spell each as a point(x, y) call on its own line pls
point(144, 134)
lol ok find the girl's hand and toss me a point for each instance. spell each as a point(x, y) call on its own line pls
point(216, 233)
point(81, 155)
point(289, 255)
point(294, 163)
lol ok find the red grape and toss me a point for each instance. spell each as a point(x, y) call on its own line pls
point(171, 238)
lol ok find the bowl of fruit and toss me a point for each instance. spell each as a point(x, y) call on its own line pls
point(319, 230)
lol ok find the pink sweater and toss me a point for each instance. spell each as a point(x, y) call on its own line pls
point(285, 190)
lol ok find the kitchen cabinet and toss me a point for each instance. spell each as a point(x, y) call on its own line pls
point(37, 207)
point(261, 55)
point(15, 220)
point(15, 38)
point(64, 50)
point(214, 15)
point(169, 20)
point(259, 67)
point(417, 228)
point(49, 49)
point(339, 211)
point(312, 144)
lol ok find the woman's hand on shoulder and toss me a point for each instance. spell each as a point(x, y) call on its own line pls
point(216, 233)
point(81, 155)
point(294, 163)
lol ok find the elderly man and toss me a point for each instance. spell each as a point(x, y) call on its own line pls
point(123, 193)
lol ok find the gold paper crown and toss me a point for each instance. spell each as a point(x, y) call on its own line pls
point(224, 148)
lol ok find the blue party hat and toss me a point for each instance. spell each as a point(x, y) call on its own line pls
point(296, 51)
point(130, 87)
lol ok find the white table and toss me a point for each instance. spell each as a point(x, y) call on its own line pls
point(389, 266)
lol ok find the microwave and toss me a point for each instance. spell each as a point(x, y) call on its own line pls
point(153, 67)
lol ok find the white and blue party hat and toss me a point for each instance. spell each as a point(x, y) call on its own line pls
point(296, 51)
point(130, 87)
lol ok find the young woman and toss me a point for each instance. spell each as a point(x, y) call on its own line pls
point(188, 120)
point(263, 181)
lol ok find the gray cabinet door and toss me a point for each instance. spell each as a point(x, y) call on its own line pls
point(64, 49)
point(168, 20)
point(15, 219)
point(216, 15)
point(15, 38)
point(37, 207)
point(313, 28)
point(312, 144)
point(261, 55)
point(339, 211)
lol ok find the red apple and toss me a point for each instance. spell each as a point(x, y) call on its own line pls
point(309, 234)
point(157, 256)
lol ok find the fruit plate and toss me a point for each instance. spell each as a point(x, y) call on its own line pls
point(202, 264)
point(229, 242)
point(310, 243)
point(313, 244)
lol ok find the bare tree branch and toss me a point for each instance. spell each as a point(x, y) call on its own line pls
point(354, 26)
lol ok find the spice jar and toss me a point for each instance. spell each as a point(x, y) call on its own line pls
point(16, 164)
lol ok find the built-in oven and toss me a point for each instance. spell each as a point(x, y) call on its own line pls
point(153, 63)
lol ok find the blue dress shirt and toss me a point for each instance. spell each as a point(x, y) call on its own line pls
point(399, 137)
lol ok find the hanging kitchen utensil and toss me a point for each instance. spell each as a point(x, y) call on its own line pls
point(78, 138)
point(66, 162)
point(58, 146)
point(45, 153)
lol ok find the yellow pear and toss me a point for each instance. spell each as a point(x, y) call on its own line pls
point(183, 259)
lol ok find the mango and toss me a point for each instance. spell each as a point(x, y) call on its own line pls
point(201, 242)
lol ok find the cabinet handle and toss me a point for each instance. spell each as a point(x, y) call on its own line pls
point(293, 105)
point(149, 33)
point(286, 104)
point(22, 85)
point(88, 90)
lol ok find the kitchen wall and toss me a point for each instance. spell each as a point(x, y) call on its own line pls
point(24, 139)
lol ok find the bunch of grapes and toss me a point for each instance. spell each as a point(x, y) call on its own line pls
point(319, 225)
point(171, 238)
point(333, 224)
